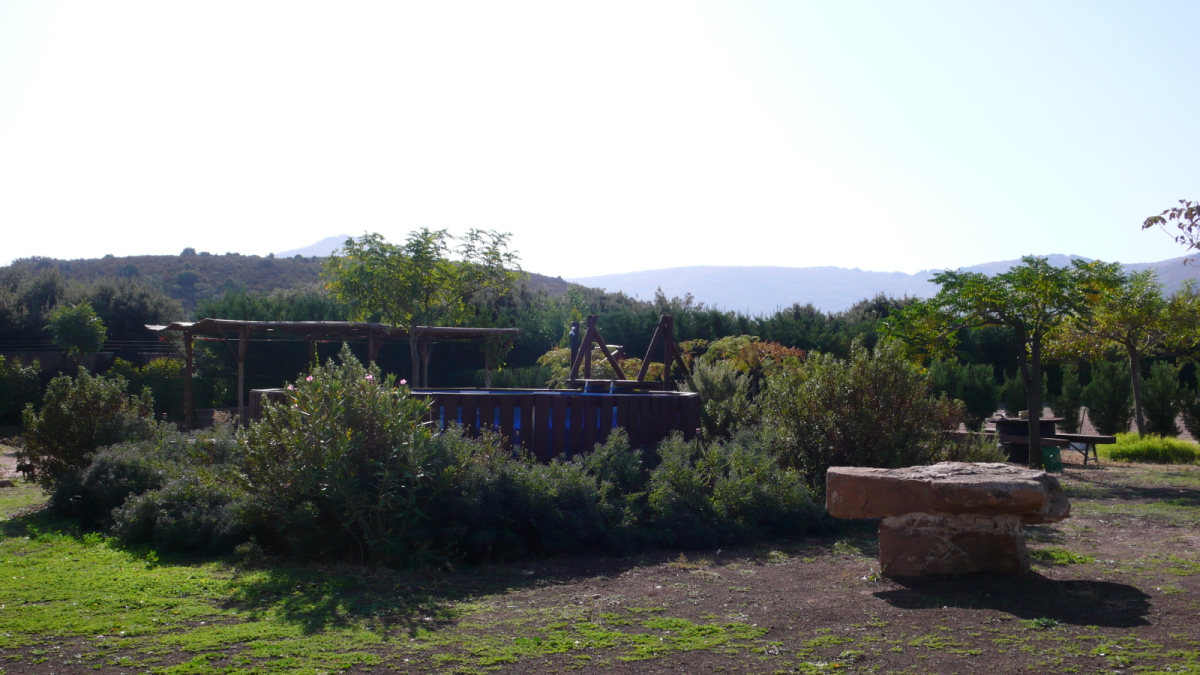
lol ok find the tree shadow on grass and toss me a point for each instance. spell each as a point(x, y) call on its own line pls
point(1100, 485)
point(1079, 602)
point(318, 597)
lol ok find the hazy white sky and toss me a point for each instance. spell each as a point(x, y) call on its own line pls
point(607, 137)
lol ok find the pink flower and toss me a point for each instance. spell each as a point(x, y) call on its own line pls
point(290, 387)
point(308, 379)
point(403, 381)
point(370, 377)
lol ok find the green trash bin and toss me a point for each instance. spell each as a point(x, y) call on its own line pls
point(1052, 460)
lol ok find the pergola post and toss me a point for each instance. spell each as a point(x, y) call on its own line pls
point(372, 347)
point(241, 361)
point(668, 324)
point(188, 370)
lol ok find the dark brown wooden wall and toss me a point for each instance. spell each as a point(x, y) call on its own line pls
point(551, 425)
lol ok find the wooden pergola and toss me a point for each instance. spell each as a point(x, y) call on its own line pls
point(236, 336)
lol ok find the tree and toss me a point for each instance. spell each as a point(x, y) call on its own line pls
point(1109, 397)
point(1033, 299)
point(1134, 316)
point(1186, 217)
point(77, 329)
point(417, 285)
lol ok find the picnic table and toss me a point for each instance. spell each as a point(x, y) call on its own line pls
point(1089, 443)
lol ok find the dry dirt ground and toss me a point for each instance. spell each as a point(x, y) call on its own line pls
point(1116, 589)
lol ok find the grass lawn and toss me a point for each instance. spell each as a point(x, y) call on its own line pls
point(1116, 589)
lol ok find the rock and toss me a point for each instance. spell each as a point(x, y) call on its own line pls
point(921, 543)
point(949, 518)
point(948, 487)
point(6, 483)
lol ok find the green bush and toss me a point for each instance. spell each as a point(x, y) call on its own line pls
point(517, 508)
point(726, 403)
point(708, 494)
point(196, 512)
point(352, 446)
point(1109, 397)
point(124, 470)
point(976, 447)
point(873, 409)
point(20, 385)
point(1067, 404)
point(974, 385)
point(1161, 394)
point(79, 415)
point(1151, 449)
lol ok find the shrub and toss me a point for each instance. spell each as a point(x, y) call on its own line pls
point(20, 385)
point(1151, 449)
point(725, 397)
point(352, 446)
point(975, 447)
point(1161, 394)
point(873, 409)
point(133, 468)
point(1066, 405)
point(517, 508)
point(707, 494)
point(974, 385)
point(1109, 397)
point(79, 415)
point(196, 512)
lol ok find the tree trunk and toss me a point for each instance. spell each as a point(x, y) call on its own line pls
point(1135, 375)
point(1031, 372)
point(415, 354)
point(426, 353)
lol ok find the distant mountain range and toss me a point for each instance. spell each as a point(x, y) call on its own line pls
point(760, 290)
point(320, 249)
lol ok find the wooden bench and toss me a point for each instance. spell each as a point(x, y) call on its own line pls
point(1089, 442)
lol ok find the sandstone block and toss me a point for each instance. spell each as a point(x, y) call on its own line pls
point(948, 488)
point(922, 543)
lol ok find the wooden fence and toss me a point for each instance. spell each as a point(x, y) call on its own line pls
point(553, 423)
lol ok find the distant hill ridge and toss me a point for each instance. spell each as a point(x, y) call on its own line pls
point(192, 277)
point(762, 290)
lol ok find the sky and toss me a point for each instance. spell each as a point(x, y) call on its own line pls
point(606, 137)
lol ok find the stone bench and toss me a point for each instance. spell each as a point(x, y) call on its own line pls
point(949, 518)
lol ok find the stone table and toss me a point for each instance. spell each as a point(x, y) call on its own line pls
point(949, 518)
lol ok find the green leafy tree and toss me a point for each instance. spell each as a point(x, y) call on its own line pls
point(1032, 299)
point(1186, 217)
point(77, 329)
point(1135, 317)
point(417, 284)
